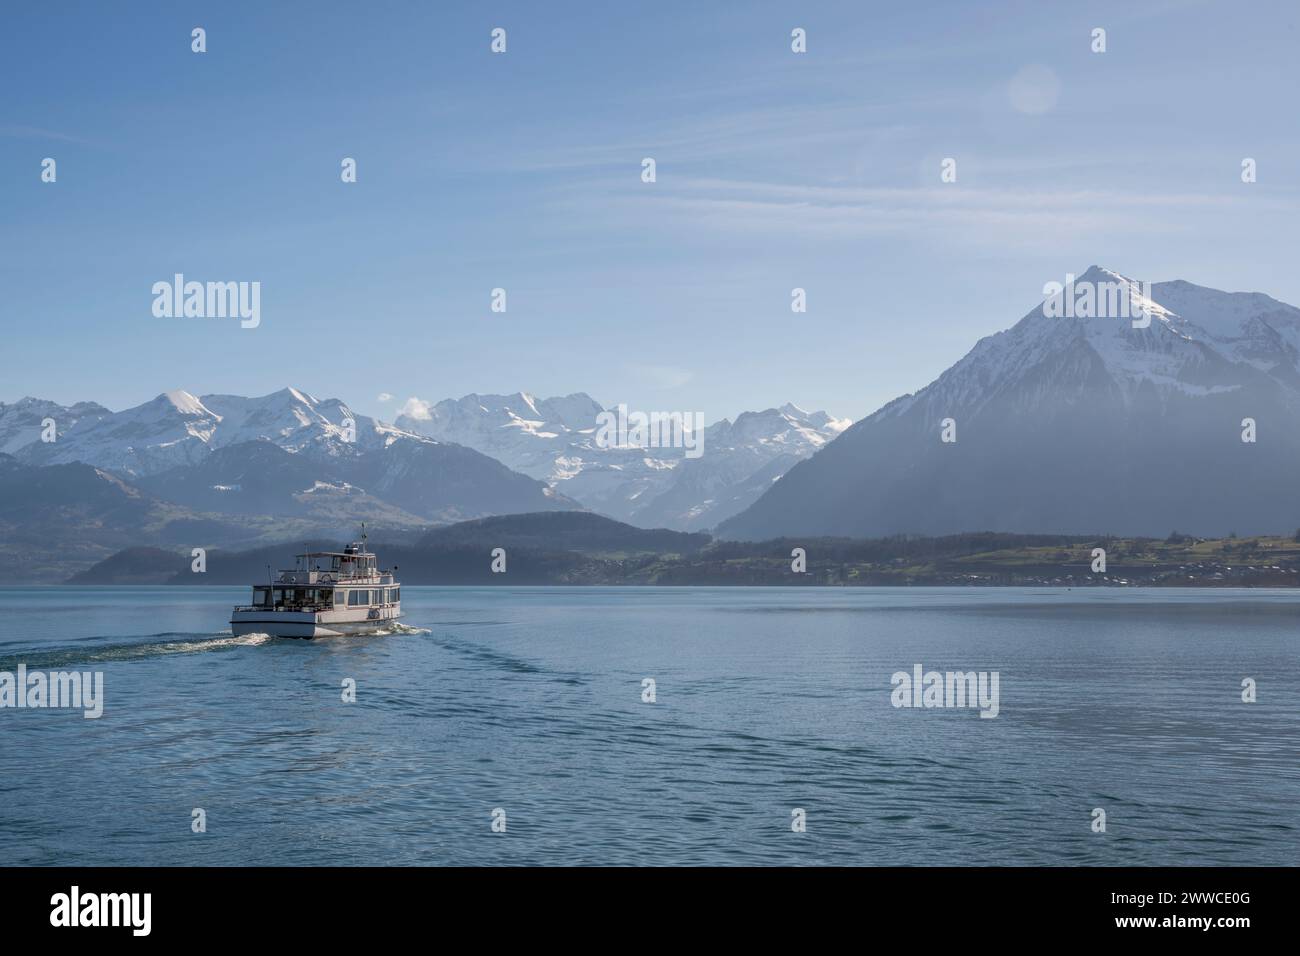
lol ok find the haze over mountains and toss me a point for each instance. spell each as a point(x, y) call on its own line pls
point(281, 454)
point(554, 440)
point(1079, 425)
point(237, 472)
point(1063, 426)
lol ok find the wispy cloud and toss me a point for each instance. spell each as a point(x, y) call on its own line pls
point(978, 214)
point(37, 132)
point(764, 133)
point(664, 377)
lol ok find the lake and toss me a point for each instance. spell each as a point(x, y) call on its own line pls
point(529, 708)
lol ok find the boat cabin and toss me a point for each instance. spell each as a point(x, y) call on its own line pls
point(330, 579)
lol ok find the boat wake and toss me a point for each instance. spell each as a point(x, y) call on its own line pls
point(155, 646)
point(396, 627)
point(131, 651)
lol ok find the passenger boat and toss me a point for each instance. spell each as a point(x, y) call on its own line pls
point(329, 593)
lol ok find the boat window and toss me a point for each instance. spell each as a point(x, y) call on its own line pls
point(397, 595)
point(325, 596)
point(261, 597)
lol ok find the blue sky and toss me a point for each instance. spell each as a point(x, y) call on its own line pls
point(522, 171)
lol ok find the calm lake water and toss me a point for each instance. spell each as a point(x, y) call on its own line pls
point(768, 699)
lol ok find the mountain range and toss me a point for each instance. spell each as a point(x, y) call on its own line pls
point(555, 441)
point(230, 471)
point(284, 454)
point(1061, 425)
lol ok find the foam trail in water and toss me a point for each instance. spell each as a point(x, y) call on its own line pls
point(396, 627)
point(141, 650)
point(132, 651)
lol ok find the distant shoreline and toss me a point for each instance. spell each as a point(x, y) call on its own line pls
point(1131, 586)
point(567, 550)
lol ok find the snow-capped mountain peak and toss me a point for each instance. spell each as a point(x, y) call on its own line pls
point(180, 428)
point(23, 422)
point(1076, 420)
point(554, 440)
point(1170, 337)
point(173, 428)
point(184, 403)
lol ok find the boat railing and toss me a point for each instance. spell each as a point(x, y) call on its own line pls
point(333, 577)
point(304, 606)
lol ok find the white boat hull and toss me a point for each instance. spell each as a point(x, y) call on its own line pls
point(310, 624)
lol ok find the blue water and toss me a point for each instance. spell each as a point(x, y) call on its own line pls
point(529, 700)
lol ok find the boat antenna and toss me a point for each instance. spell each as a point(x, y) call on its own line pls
point(363, 537)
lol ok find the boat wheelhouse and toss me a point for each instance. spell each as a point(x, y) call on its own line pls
point(328, 593)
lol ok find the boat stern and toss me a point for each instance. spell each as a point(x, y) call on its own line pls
point(277, 623)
